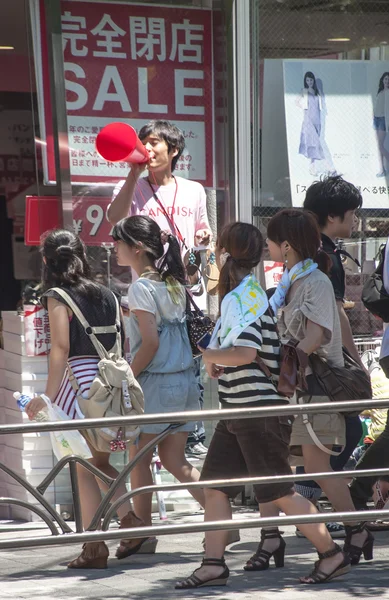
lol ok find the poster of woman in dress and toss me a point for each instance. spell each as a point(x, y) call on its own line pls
point(381, 122)
point(343, 131)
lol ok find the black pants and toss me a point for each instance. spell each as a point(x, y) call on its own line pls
point(376, 457)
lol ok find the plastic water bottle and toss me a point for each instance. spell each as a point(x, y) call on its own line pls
point(22, 400)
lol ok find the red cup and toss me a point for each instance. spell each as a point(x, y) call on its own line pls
point(118, 142)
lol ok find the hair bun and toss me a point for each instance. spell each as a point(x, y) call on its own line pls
point(64, 252)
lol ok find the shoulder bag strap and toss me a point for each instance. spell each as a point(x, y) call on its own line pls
point(101, 351)
point(168, 217)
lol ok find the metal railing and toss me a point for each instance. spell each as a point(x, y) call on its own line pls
point(105, 512)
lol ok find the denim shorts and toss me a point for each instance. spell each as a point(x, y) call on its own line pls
point(251, 448)
point(379, 124)
point(169, 392)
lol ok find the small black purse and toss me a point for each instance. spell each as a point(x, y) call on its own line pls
point(197, 322)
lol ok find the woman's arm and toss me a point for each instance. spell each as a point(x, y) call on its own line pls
point(59, 353)
point(235, 356)
point(150, 341)
point(313, 338)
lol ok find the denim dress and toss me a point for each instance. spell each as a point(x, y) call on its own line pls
point(168, 382)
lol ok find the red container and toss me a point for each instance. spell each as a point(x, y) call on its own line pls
point(118, 142)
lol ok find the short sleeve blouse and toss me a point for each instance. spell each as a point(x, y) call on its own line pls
point(312, 298)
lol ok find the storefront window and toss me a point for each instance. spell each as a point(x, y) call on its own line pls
point(341, 51)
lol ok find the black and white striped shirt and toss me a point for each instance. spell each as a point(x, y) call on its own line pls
point(247, 383)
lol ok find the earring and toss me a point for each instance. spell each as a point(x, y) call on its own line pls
point(286, 259)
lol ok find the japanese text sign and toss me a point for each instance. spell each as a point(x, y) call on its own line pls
point(131, 63)
point(36, 330)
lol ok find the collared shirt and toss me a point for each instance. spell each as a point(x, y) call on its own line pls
point(336, 274)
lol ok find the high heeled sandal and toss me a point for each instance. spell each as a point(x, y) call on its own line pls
point(355, 552)
point(134, 545)
point(193, 581)
point(318, 576)
point(94, 555)
point(261, 559)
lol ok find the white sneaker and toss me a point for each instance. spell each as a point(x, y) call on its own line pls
point(196, 451)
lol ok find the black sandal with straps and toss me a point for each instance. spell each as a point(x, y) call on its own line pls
point(319, 576)
point(261, 559)
point(355, 552)
point(193, 581)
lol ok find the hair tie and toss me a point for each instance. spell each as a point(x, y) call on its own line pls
point(224, 258)
point(165, 235)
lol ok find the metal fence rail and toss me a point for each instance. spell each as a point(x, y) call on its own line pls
point(105, 512)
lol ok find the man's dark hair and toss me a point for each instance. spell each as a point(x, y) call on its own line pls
point(332, 196)
point(168, 132)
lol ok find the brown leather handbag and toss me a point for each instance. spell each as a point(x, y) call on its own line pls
point(293, 363)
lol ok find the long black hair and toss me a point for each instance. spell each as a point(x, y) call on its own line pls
point(142, 232)
point(65, 263)
point(381, 83)
point(311, 76)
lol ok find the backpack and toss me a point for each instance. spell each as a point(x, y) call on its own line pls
point(374, 295)
point(114, 391)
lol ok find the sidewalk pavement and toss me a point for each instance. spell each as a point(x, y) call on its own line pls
point(37, 573)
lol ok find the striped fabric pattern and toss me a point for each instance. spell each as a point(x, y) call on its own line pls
point(85, 370)
point(247, 383)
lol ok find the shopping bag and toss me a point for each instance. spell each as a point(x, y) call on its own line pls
point(66, 443)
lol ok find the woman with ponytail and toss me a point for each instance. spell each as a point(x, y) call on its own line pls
point(245, 344)
point(162, 358)
point(65, 266)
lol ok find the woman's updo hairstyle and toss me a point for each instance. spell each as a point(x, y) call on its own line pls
point(142, 232)
point(301, 230)
point(244, 244)
point(65, 263)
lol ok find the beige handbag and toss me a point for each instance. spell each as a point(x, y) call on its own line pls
point(114, 391)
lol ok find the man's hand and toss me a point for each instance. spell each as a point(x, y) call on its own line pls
point(137, 170)
point(203, 237)
point(34, 407)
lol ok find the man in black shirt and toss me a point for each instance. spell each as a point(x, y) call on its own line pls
point(335, 202)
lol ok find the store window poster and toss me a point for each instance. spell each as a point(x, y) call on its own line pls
point(337, 122)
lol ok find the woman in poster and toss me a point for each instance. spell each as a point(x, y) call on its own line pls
point(381, 120)
point(310, 101)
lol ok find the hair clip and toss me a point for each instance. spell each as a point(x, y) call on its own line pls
point(165, 237)
point(224, 258)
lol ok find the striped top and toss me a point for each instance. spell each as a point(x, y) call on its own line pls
point(247, 384)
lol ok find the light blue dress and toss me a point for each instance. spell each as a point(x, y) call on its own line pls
point(168, 382)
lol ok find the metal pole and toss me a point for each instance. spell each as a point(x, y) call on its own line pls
point(75, 495)
point(156, 530)
point(200, 415)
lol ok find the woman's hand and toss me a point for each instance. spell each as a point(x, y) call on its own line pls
point(214, 371)
point(34, 407)
point(203, 237)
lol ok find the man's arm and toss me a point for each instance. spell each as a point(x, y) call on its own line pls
point(121, 204)
point(347, 336)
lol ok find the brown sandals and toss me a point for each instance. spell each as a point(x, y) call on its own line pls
point(132, 546)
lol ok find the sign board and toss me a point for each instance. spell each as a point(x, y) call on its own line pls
point(89, 220)
point(36, 330)
point(130, 63)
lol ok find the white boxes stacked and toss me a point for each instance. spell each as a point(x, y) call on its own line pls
point(29, 455)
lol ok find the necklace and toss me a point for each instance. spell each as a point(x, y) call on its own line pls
point(146, 273)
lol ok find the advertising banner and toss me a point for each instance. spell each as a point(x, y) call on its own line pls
point(337, 122)
point(89, 222)
point(129, 63)
point(36, 330)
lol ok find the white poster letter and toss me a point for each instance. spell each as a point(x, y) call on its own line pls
point(111, 76)
point(144, 105)
point(76, 88)
point(181, 91)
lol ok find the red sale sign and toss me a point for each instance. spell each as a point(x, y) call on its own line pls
point(89, 222)
point(129, 63)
